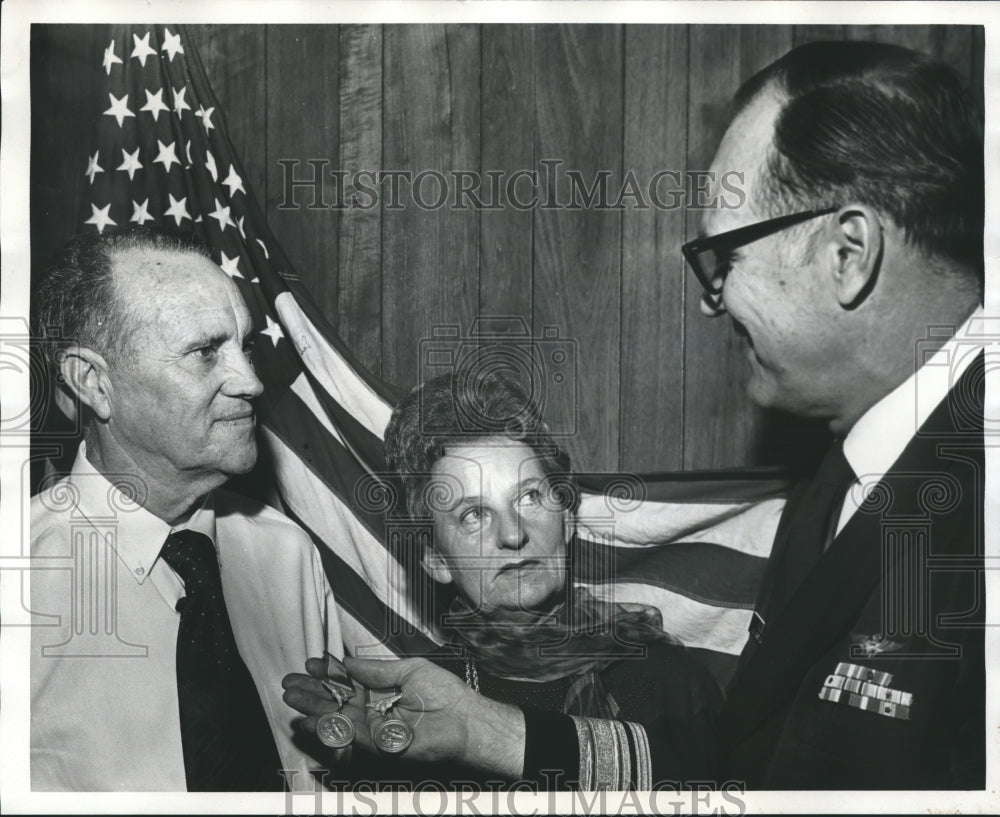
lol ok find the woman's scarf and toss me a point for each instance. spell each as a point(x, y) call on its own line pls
point(578, 639)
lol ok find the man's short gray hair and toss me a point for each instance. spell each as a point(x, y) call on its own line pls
point(76, 301)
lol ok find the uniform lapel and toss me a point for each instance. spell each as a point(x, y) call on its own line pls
point(834, 592)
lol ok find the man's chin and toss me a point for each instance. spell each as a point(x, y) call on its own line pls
point(761, 389)
point(240, 461)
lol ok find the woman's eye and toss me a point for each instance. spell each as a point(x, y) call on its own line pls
point(471, 516)
point(531, 497)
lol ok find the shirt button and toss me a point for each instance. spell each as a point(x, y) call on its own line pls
point(139, 571)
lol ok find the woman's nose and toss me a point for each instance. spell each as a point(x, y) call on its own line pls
point(511, 533)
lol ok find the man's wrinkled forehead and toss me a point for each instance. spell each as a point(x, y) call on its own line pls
point(175, 289)
point(165, 275)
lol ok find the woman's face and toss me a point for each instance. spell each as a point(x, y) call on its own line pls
point(499, 532)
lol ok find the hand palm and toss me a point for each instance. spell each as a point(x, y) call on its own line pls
point(434, 703)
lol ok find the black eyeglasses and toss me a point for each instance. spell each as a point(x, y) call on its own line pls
point(709, 256)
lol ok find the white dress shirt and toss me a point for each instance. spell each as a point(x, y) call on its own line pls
point(104, 710)
point(878, 438)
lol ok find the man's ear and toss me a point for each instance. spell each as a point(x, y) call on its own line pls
point(85, 373)
point(436, 567)
point(856, 250)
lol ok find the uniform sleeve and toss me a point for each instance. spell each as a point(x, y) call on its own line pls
point(551, 750)
point(677, 744)
point(621, 755)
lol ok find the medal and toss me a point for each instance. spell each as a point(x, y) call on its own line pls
point(335, 730)
point(339, 692)
point(382, 700)
point(392, 736)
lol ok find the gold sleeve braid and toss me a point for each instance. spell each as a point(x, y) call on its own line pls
point(609, 759)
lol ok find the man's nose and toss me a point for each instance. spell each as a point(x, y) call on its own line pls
point(511, 533)
point(241, 379)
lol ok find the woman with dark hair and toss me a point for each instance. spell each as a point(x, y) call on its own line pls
point(478, 463)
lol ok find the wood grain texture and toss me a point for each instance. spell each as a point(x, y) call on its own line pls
point(359, 301)
point(807, 33)
point(577, 285)
point(303, 125)
point(235, 63)
point(653, 347)
point(508, 121)
point(977, 67)
point(660, 386)
point(721, 424)
point(430, 257)
point(952, 45)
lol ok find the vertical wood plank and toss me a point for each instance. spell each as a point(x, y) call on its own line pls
point(359, 305)
point(307, 234)
point(430, 257)
point(508, 147)
point(810, 33)
point(977, 67)
point(577, 286)
point(721, 424)
point(653, 303)
point(233, 56)
point(950, 44)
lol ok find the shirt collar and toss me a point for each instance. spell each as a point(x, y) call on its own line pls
point(876, 440)
point(138, 534)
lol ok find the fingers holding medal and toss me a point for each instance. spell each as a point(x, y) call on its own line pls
point(325, 696)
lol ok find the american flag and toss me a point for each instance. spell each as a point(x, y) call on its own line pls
point(694, 548)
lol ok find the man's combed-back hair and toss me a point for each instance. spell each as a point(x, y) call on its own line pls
point(880, 125)
point(76, 302)
point(453, 410)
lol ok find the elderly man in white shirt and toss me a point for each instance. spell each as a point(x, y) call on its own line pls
point(206, 598)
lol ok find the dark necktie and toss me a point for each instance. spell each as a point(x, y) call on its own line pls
point(805, 532)
point(228, 745)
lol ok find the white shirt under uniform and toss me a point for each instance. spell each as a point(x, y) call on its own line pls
point(104, 709)
point(877, 439)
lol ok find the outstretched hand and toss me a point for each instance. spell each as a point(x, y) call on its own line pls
point(450, 722)
point(306, 694)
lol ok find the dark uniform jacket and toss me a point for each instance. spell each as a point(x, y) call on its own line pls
point(872, 674)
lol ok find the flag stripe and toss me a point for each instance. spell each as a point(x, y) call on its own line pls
point(336, 376)
point(329, 461)
point(380, 624)
point(707, 573)
point(323, 415)
point(335, 529)
point(693, 623)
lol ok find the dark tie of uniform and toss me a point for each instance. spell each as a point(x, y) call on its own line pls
point(228, 745)
point(807, 529)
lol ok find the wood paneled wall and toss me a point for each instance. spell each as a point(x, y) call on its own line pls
point(659, 386)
